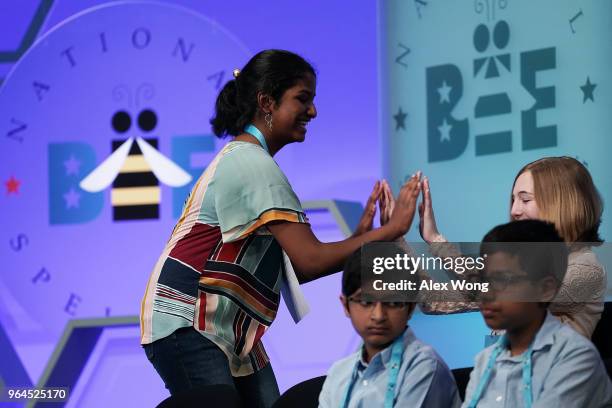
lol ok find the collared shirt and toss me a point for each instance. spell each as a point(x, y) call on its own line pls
point(567, 371)
point(423, 380)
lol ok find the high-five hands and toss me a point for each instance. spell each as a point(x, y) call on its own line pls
point(398, 214)
point(427, 221)
point(367, 218)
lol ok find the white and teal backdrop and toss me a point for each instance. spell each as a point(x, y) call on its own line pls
point(473, 90)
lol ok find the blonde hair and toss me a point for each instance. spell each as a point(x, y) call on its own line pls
point(567, 197)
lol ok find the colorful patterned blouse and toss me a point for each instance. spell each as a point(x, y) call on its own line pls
point(221, 269)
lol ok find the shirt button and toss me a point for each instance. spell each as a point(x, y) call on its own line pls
point(365, 382)
point(499, 398)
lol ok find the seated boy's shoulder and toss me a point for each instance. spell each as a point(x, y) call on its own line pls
point(485, 351)
point(422, 353)
point(343, 365)
point(423, 349)
point(569, 341)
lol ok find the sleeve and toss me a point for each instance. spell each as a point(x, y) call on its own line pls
point(325, 398)
point(578, 379)
point(445, 302)
point(581, 322)
point(428, 384)
point(440, 301)
point(444, 249)
point(251, 191)
point(332, 387)
point(582, 285)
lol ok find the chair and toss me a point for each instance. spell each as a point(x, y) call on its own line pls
point(302, 395)
point(602, 336)
point(608, 365)
point(209, 396)
point(462, 377)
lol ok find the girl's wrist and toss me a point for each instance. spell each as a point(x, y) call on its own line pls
point(437, 238)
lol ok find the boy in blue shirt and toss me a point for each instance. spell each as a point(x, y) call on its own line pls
point(538, 361)
point(392, 368)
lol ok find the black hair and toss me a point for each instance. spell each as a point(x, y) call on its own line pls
point(538, 261)
point(360, 262)
point(351, 274)
point(271, 72)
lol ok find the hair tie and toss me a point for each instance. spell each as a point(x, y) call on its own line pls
point(236, 72)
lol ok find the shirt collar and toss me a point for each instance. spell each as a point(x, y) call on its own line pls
point(384, 356)
point(546, 335)
point(543, 338)
point(362, 364)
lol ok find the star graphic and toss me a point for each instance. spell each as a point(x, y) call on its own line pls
point(12, 185)
point(445, 130)
point(444, 92)
point(72, 166)
point(400, 119)
point(72, 199)
point(587, 90)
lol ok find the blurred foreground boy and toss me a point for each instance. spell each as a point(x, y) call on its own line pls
point(538, 361)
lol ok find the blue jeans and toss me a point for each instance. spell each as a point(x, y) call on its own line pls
point(186, 359)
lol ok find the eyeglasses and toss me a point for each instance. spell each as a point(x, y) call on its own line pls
point(501, 282)
point(369, 304)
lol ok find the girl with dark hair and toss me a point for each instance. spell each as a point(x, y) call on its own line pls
point(216, 287)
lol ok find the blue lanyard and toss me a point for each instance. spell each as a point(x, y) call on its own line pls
point(256, 133)
point(397, 350)
point(526, 363)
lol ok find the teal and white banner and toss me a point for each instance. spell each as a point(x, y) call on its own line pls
point(473, 90)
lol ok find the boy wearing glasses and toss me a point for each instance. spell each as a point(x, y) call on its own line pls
point(538, 361)
point(392, 368)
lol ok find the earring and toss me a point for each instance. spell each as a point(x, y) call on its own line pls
point(268, 119)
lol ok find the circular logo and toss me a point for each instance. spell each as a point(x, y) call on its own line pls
point(105, 125)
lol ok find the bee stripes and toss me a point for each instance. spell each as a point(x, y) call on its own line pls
point(136, 193)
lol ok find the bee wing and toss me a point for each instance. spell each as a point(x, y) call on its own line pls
point(164, 169)
point(103, 175)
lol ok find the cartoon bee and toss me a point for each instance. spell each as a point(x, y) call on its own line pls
point(135, 166)
point(505, 94)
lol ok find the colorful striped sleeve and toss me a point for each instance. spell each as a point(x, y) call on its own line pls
point(250, 191)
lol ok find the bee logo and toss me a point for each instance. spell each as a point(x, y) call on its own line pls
point(135, 166)
point(496, 97)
